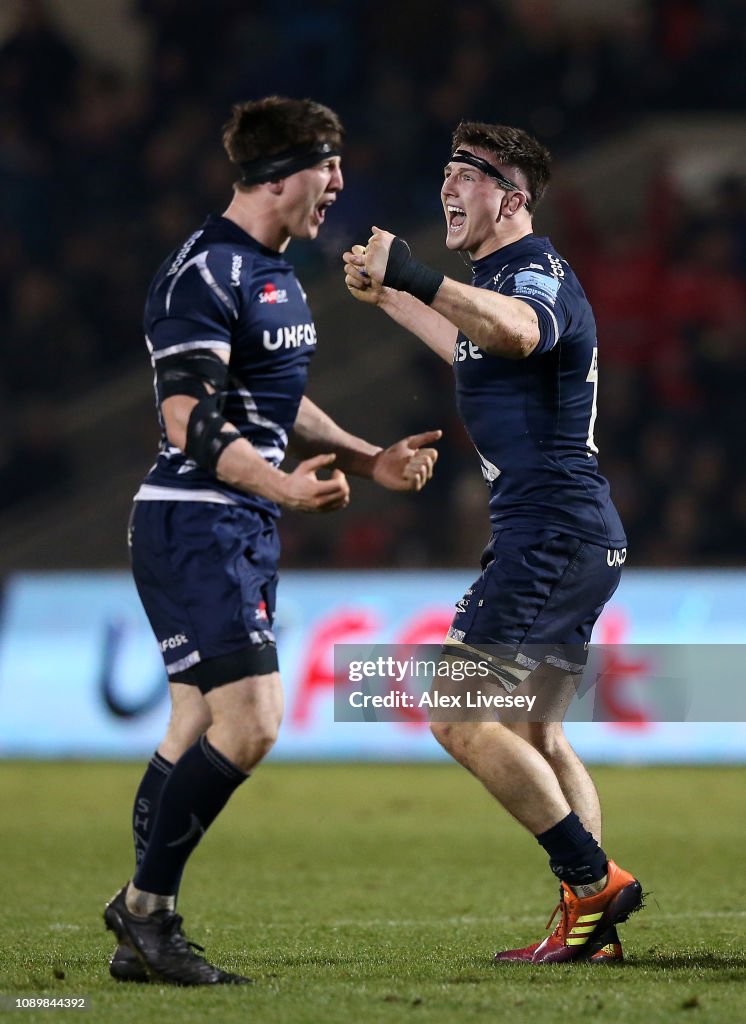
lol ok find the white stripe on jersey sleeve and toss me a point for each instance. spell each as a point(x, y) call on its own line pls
point(187, 346)
point(200, 262)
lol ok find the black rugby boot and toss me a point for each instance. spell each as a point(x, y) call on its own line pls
point(159, 942)
point(125, 966)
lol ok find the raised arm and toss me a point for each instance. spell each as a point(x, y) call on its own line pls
point(497, 324)
point(407, 311)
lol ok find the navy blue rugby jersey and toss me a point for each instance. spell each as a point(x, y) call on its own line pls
point(532, 420)
point(225, 291)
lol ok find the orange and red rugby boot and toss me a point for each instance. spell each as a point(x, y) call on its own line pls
point(607, 950)
point(585, 919)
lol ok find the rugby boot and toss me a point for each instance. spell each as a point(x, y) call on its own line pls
point(608, 950)
point(584, 920)
point(125, 966)
point(159, 943)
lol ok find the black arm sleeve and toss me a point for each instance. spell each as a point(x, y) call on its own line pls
point(187, 373)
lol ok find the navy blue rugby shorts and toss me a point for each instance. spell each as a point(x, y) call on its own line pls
point(206, 574)
point(537, 599)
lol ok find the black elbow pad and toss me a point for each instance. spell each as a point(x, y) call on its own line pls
point(205, 437)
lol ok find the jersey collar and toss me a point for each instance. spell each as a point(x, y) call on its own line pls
point(241, 237)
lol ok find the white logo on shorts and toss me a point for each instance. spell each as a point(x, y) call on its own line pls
point(174, 641)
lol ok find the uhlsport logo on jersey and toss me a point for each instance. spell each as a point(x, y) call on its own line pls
point(271, 293)
point(616, 557)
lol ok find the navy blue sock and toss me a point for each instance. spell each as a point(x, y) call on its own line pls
point(574, 855)
point(195, 793)
point(146, 803)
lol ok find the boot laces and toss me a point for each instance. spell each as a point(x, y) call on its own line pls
point(172, 927)
point(561, 930)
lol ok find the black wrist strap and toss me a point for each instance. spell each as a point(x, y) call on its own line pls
point(407, 274)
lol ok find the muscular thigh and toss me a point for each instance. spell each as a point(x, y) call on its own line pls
point(246, 716)
point(253, 699)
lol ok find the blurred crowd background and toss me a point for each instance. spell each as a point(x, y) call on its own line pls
point(105, 168)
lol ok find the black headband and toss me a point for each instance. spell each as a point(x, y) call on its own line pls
point(281, 165)
point(462, 157)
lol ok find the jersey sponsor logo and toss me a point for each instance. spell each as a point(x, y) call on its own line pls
point(272, 294)
point(538, 285)
point(182, 254)
point(236, 264)
point(555, 265)
point(466, 350)
point(616, 557)
point(173, 641)
point(289, 337)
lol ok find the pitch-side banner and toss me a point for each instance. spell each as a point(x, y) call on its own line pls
point(81, 674)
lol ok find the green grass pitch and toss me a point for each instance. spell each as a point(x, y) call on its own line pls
point(375, 893)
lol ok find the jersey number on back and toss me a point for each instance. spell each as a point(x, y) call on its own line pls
point(592, 378)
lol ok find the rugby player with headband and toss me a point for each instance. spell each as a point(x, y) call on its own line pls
point(230, 337)
point(522, 340)
point(282, 165)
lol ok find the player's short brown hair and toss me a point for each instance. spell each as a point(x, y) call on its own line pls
point(511, 147)
point(276, 124)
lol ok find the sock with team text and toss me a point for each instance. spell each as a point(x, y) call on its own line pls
point(195, 792)
point(146, 803)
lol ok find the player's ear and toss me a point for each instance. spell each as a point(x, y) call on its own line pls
point(517, 201)
point(276, 187)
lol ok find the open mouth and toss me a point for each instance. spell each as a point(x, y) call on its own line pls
point(321, 210)
point(456, 218)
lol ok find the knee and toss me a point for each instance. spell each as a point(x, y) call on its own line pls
point(184, 729)
point(441, 732)
point(245, 742)
point(451, 737)
point(253, 742)
point(548, 739)
point(264, 737)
